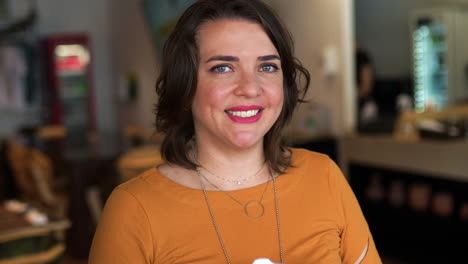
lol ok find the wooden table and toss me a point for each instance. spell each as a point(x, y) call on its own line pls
point(18, 239)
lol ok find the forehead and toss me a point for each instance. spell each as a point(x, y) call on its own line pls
point(233, 36)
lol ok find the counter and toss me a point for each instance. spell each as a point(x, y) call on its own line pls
point(446, 159)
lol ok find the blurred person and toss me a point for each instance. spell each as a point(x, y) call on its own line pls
point(364, 73)
point(230, 190)
point(367, 108)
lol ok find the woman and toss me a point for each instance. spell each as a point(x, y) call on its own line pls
point(229, 190)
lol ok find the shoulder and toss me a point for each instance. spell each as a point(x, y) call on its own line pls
point(131, 199)
point(302, 157)
point(142, 187)
point(139, 182)
point(315, 166)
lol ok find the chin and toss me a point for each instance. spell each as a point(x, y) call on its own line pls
point(247, 142)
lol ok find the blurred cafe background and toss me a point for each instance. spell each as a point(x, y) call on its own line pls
point(388, 102)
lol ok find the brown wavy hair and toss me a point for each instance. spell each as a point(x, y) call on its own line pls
point(177, 82)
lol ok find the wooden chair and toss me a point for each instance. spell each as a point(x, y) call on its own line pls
point(137, 160)
point(41, 170)
point(33, 172)
point(140, 136)
point(18, 157)
point(51, 132)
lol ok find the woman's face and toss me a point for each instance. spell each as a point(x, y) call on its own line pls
point(239, 93)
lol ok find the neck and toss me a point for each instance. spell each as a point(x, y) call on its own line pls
point(224, 167)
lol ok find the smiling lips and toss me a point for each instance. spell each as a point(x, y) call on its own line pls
point(245, 114)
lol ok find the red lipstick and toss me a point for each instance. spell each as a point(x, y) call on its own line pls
point(243, 108)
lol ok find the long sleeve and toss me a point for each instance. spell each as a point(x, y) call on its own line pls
point(357, 244)
point(124, 232)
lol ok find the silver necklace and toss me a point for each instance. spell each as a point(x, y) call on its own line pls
point(213, 219)
point(250, 204)
point(237, 181)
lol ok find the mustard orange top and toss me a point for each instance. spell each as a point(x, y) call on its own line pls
point(151, 219)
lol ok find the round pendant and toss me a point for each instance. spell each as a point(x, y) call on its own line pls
point(254, 209)
point(238, 182)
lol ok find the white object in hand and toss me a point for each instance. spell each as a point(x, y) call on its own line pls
point(263, 261)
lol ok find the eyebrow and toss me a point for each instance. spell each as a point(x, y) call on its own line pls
point(223, 58)
point(268, 57)
point(232, 58)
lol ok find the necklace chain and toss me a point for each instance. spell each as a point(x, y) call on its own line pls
point(245, 205)
point(278, 224)
point(213, 219)
point(238, 181)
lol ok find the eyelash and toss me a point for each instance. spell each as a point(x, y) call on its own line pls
point(275, 68)
point(216, 68)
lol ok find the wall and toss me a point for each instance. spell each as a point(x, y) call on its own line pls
point(318, 26)
point(133, 52)
point(88, 16)
point(383, 29)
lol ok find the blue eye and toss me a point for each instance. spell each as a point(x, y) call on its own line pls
point(268, 68)
point(221, 68)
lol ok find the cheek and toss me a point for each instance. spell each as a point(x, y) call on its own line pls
point(279, 104)
point(209, 95)
point(277, 97)
point(280, 95)
point(278, 101)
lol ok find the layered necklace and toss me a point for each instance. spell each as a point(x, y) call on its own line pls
point(237, 181)
point(247, 212)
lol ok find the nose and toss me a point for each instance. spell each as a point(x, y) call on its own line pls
point(248, 85)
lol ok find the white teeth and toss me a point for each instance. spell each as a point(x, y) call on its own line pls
point(244, 114)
